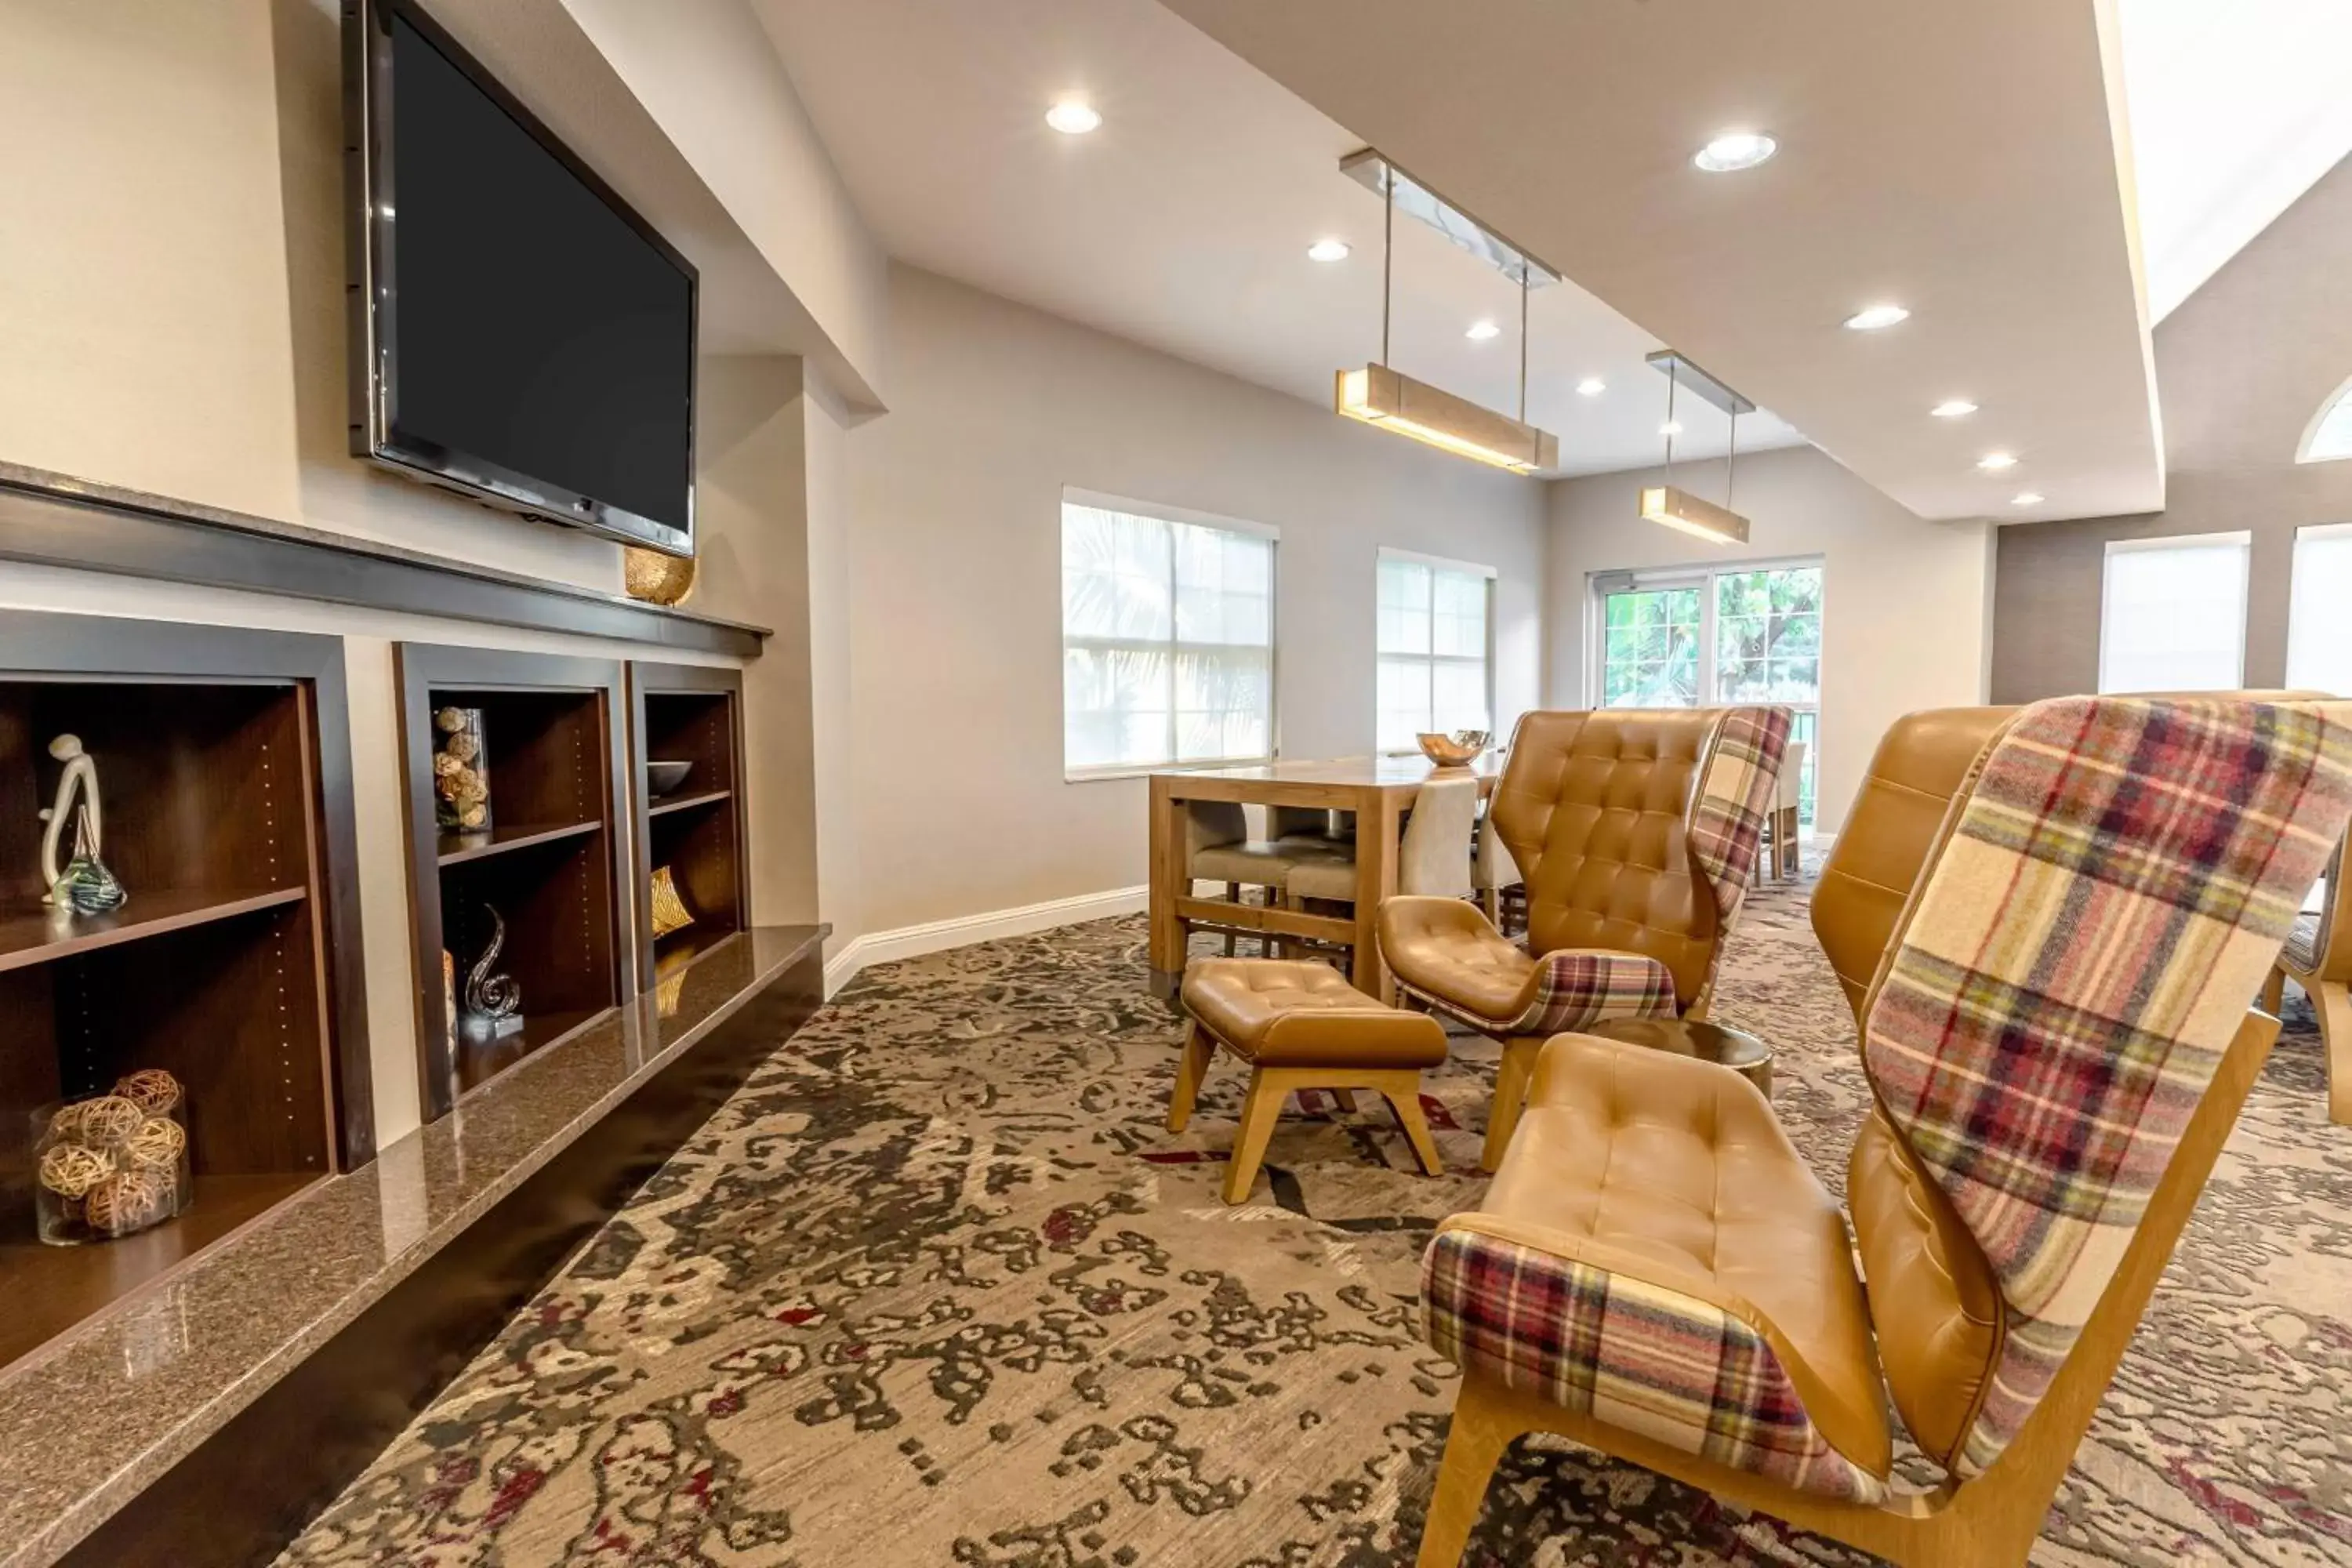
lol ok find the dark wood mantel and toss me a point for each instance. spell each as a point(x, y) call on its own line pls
point(55, 520)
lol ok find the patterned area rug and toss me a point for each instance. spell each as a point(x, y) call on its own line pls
point(937, 1288)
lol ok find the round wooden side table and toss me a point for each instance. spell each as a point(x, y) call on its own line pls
point(1740, 1051)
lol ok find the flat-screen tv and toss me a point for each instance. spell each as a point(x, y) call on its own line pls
point(518, 333)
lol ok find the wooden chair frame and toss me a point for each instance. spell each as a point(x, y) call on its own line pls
point(1271, 1086)
point(1985, 1522)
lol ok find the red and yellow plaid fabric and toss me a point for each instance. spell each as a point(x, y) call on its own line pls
point(1736, 790)
point(1583, 985)
point(1737, 786)
point(1671, 1367)
point(2119, 881)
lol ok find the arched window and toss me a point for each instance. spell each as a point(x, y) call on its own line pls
point(2329, 434)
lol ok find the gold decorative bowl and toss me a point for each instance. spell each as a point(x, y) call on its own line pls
point(1458, 750)
point(658, 579)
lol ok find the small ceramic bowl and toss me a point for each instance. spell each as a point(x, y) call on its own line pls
point(663, 778)
point(1458, 750)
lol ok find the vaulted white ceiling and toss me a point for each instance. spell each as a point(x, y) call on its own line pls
point(2237, 108)
point(1183, 222)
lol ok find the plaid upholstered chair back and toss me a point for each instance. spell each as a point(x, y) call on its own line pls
point(2105, 898)
point(1635, 829)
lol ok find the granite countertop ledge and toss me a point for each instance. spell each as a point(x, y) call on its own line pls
point(170, 1365)
point(49, 484)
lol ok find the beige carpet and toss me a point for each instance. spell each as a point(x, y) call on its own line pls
point(936, 1289)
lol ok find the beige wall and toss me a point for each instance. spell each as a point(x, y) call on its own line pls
point(955, 634)
point(172, 273)
point(2242, 367)
point(1903, 624)
point(172, 320)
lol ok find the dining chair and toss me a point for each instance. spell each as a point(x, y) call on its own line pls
point(1219, 849)
point(2058, 1043)
point(1494, 879)
point(1636, 830)
point(1432, 855)
point(1783, 856)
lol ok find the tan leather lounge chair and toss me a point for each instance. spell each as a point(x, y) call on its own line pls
point(1655, 1272)
point(1636, 831)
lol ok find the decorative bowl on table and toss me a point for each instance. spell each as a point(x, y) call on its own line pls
point(664, 778)
point(1458, 750)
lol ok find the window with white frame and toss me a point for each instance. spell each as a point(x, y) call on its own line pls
point(1696, 637)
point(1166, 638)
point(1436, 665)
point(2318, 631)
point(2172, 613)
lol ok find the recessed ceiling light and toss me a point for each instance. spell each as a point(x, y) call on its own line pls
point(2026, 498)
point(1871, 318)
point(1481, 330)
point(1734, 151)
point(1328, 250)
point(1953, 408)
point(1670, 427)
point(1072, 116)
point(1591, 387)
point(1996, 462)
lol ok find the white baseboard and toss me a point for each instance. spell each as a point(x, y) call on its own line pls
point(937, 936)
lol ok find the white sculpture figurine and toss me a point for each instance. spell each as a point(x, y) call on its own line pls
point(93, 889)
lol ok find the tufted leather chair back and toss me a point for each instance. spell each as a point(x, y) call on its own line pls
point(1594, 807)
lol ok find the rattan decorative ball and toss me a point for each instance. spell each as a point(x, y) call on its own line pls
point(129, 1200)
point(160, 1140)
point(447, 765)
point(108, 1121)
point(71, 1170)
point(659, 579)
point(449, 721)
point(65, 1124)
point(151, 1090)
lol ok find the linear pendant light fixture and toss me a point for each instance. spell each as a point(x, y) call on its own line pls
point(1676, 508)
point(1388, 399)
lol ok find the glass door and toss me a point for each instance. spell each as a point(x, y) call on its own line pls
point(1713, 635)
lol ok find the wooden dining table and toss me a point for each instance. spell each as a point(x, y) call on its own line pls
point(1378, 790)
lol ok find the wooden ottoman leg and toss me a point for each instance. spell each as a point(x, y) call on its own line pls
point(1347, 1098)
point(1268, 1088)
point(1404, 1101)
point(1198, 1047)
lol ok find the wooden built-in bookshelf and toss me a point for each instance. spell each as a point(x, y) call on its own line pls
point(224, 767)
point(692, 714)
point(551, 863)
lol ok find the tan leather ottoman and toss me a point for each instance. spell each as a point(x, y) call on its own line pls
point(1301, 1025)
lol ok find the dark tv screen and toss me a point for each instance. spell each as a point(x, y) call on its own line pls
point(535, 327)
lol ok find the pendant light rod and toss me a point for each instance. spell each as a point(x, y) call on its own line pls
point(1523, 346)
point(1387, 255)
point(1672, 379)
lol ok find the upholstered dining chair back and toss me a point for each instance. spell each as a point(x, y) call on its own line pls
point(2098, 902)
point(1598, 810)
point(1434, 857)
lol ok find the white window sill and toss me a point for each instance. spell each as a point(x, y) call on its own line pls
point(1145, 770)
